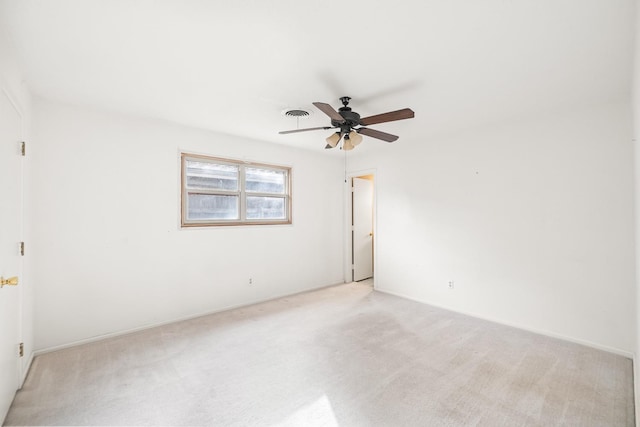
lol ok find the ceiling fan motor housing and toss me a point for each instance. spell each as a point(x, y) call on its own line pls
point(351, 119)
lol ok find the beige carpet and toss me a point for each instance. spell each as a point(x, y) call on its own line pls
point(341, 356)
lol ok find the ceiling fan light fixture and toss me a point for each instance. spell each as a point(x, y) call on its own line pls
point(347, 145)
point(333, 139)
point(355, 138)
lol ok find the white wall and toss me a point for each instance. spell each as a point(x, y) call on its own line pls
point(11, 80)
point(110, 254)
point(636, 139)
point(532, 220)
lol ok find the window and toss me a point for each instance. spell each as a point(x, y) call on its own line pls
point(229, 192)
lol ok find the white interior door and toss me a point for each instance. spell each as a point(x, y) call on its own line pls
point(362, 237)
point(10, 237)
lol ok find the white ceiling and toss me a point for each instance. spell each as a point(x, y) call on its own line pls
point(234, 66)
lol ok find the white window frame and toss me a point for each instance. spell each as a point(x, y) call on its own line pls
point(241, 192)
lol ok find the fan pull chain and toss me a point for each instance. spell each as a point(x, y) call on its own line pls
point(345, 166)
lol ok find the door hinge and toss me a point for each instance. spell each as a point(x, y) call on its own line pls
point(21, 248)
point(23, 148)
point(21, 350)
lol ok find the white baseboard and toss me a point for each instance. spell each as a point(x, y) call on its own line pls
point(587, 343)
point(167, 322)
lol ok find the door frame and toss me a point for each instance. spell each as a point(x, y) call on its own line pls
point(21, 367)
point(348, 243)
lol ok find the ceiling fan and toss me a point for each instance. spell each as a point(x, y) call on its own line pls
point(350, 124)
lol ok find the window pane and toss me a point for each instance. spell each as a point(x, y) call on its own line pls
point(211, 176)
point(265, 208)
point(211, 206)
point(265, 181)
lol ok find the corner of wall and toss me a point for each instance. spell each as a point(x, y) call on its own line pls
point(636, 140)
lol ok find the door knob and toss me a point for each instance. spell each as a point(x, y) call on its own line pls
point(11, 281)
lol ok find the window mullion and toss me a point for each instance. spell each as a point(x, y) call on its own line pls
point(214, 192)
point(243, 193)
point(256, 194)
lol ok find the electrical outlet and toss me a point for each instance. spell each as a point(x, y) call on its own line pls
point(451, 284)
point(250, 280)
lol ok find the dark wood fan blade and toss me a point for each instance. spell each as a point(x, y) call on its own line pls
point(377, 134)
point(284, 132)
point(329, 111)
point(405, 113)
